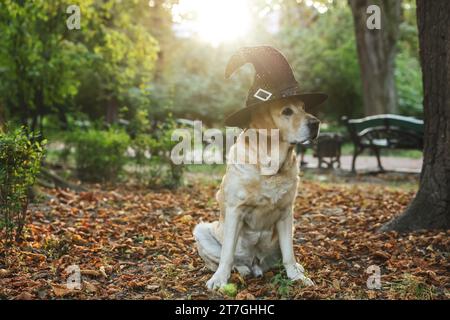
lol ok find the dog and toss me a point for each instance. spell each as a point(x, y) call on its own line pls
point(255, 228)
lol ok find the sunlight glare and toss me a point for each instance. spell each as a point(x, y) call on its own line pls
point(215, 21)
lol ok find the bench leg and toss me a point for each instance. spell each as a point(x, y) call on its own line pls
point(377, 153)
point(355, 154)
point(339, 158)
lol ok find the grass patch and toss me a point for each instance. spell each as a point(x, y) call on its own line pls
point(204, 174)
point(55, 248)
point(282, 283)
point(412, 287)
point(206, 168)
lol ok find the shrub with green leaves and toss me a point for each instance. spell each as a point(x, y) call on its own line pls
point(20, 161)
point(99, 154)
point(408, 78)
point(152, 157)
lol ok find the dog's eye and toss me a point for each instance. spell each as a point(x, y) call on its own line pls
point(287, 112)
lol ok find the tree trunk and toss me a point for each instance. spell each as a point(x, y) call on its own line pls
point(112, 111)
point(376, 54)
point(430, 209)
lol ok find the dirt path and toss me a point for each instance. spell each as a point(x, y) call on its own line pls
point(369, 163)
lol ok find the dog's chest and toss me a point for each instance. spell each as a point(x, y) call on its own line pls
point(267, 201)
point(271, 192)
point(274, 189)
point(263, 199)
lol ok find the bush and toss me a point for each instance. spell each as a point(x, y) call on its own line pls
point(20, 160)
point(99, 154)
point(154, 166)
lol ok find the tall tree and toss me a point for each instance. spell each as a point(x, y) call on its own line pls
point(431, 207)
point(37, 63)
point(125, 53)
point(376, 54)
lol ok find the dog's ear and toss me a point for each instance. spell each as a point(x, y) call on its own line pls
point(261, 118)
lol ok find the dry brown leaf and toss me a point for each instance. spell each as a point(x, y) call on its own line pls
point(89, 287)
point(245, 295)
point(61, 290)
point(93, 273)
point(4, 273)
point(25, 296)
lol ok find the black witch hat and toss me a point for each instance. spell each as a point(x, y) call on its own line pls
point(273, 80)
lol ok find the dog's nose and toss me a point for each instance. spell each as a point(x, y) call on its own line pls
point(313, 126)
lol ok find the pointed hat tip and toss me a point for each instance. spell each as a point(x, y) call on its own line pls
point(248, 55)
point(236, 61)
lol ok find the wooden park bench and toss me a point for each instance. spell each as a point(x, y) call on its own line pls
point(385, 131)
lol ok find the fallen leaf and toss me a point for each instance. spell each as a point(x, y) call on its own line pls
point(382, 254)
point(186, 218)
point(93, 273)
point(61, 290)
point(90, 288)
point(245, 295)
point(4, 273)
point(24, 296)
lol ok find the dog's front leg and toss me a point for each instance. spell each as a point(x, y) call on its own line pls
point(294, 270)
point(231, 229)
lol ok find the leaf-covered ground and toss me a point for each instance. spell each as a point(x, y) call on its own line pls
point(138, 244)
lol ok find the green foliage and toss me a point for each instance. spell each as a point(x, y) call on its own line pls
point(20, 161)
point(324, 58)
point(408, 73)
point(142, 153)
point(38, 65)
point(408, 78)
point(100, 154)
point(47, 69)
point(55, 247)
point(123, 55)
point(412, 287)
point(282, 284)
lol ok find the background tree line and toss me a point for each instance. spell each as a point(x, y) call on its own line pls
point(127, 58)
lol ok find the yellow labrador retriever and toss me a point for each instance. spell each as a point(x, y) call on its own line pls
point(255, 229)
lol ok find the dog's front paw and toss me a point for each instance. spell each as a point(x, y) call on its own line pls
point(296, 272)
point(218, 280)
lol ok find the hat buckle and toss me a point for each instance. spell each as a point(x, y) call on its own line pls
point(262, 94)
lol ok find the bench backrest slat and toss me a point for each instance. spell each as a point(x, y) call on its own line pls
point(387, 120)
point(405, 132)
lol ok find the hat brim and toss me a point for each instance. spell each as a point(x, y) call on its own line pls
point(241, 118)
